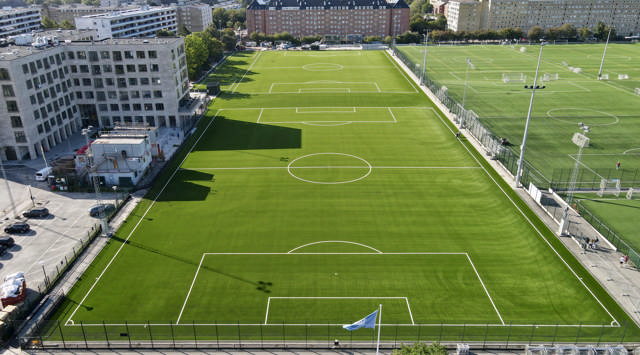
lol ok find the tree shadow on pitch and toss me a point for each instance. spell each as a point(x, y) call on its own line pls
point(188, 185)
point(240, 135)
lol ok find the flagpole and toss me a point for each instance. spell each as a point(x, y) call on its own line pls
point(379, 326)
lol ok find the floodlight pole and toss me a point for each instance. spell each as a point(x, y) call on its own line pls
point(94, 179)
point(464, 94)
point(424, 60)
point(581, 143)
point(526, 126)
point(604, 53)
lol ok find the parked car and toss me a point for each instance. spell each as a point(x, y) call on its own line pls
point(7, 241)
point(19, 227)
point(36, 212)
point(97, 210)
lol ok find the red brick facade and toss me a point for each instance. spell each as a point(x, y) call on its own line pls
point(342, 19)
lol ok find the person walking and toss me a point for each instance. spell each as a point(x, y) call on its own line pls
point(618, 165)
point(621, 261)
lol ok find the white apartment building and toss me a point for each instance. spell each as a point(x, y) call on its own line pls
point(49, 93)
point(141, 22)
point(196, 17)
point(624, 15)
point(14, 21)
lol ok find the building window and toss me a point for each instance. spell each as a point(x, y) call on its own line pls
point(157, 94)
point(128, 54)
point(144, 81)
point(137, 107)
point(7, 91)
point(12, 106)
point(81, 54)
point(119, 69)
point(160, 107)
point(148, 107)
point(107, 68)
point(142, 67)
point(20, 137)
point(16, 122)
point(153, 54)
point(104, 54)
point(86, 81)
point(4, 74)
point(133, 81)
point(117, 56)
point(140, 54)
point(155, 68)
point(115, 107)
point(93, 56)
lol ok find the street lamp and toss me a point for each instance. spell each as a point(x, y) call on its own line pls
point(526, 126)
point(464, 94)
point(94, 179)
point(604, 53)
point(115, 191)
point(424, 60)
point(582, 141)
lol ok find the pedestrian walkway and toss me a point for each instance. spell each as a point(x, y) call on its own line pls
point(621, 281)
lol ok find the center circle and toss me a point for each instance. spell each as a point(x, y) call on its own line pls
point(329, 168)
point(586, 116)
point(322, 67)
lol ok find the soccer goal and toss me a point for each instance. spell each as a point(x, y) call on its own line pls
point(623, 76)
point(637, 91)
point(604, 77)
point(630, 193)
point(549, 77)
point(611, 186)
point(514, 77)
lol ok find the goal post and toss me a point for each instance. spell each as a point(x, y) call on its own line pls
point(612, 186)
point(549, 77)
point(514, 77)
point(637, 91)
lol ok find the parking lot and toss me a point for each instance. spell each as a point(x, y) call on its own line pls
point(51, 240)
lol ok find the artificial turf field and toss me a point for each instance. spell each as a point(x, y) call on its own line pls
point(318, 186)
point(608, 107)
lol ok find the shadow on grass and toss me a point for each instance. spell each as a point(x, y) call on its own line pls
point(241, 135)
point(262, 286)
point(185, 186)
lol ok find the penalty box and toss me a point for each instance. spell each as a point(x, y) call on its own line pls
point(325, 115)
point(337, 288)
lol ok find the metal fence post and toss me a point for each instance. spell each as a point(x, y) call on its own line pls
point(395, 340)
point(509, 334)
point(601, 331)
point(106, 335)
point(150, 336)
point(126, 326)
point(261, 337)
point(440, 336)
point(486, 331)
point(306, 336)
point(195, 334)
point(64, 345)
point(555, 333)
point(284, 337)
point(173, 338)
point(578, 334)
point(626, 325)
point(239, 336)
point(533, 329)
point(84, 335)
point(419, 329)
point(464, 329)
point(217, 336)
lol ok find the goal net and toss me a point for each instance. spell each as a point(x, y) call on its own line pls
point(637, 91)
point(514, 77)
point(604, 77)
point(623, 76)
point(578, 70)
point(611, 186)
point(549, 77)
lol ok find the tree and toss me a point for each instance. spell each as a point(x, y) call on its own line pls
point(584, 33)
point(214, 46)
point(49, 23)
point(568, 31)
point(441, 23)
point(66, 24)
point(553, 33)
point(220, 18)
point(601, 31)
point(418, 24)
point(422, 349)
point(535, 33)
point(196, 53)
point(183, 31)
point(165, 33)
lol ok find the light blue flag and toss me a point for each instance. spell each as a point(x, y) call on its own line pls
point(366, 322)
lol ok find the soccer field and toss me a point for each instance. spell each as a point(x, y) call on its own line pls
point(572, 96)
point(317, 187)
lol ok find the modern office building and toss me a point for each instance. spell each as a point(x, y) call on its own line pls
point(140, 22)
point(339, 19)
point(49, 93)
point(14, 21)
point(69, 12)
point(623, 15)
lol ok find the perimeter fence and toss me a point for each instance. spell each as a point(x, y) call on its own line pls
point(55, 334)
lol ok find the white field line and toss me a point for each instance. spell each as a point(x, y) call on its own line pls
point(344, 253)
point(534, 227)
point(271, 88)
point(322, 90)
point(193, 282)
point(377, 87)
point(351, 110)
point(455, 76)
point(401, 71)
point(140, 220)
point(360, 107)
point(333, 167)
point(319, 123)
point(392, 115)
point(352, 92)
point(580, 86)
point(245, 73)
point(260, 115)
point(586, 166)
point(485, 288)
point(334, 241)
point(483, 325)
point(266, 317)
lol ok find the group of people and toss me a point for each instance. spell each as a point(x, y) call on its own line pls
point(624, 260)
point(593, 243)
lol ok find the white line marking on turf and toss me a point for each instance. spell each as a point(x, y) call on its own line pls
point(266, 316)
point(579, 86)
point(485, 288)
point(334, 167)
point(193, 282)
point(401, 71)
point(409, 308)
point(377, 87)
point(483, 325)
point(392, 115)
point(260, 115)
point(335, 241)
point(141, 219)
point(245, 73)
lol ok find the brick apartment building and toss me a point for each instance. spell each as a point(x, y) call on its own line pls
point(336, 19)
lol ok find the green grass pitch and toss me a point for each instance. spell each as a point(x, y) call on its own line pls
point(302, 205)
point(609, 107)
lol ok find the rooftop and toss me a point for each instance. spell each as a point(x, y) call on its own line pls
point(118, 140)
point(130, 12)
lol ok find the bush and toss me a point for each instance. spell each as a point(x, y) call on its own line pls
point(422, 349)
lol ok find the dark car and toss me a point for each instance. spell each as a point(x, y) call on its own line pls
point(7, 241)
point(97, 210)
point(36, 212)
point(17, 228)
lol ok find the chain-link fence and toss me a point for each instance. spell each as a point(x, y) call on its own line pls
point(189, 335)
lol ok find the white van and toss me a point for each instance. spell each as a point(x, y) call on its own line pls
point(41, 175)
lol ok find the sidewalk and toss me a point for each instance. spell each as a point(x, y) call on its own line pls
point(621, 282)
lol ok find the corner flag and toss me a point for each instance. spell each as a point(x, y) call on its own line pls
point(366, 322)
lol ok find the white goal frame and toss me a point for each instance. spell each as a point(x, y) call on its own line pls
point(514, 78)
